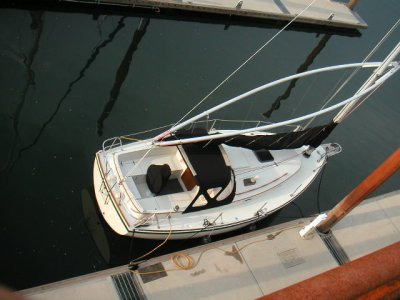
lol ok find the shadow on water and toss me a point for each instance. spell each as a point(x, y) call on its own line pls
point(37, 28)
point(122, 73)
point(118, 250)
point(303, 67)
point(94, 225)
point(37, 22)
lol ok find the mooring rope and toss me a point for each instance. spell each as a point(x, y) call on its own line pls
point(135, 261)
point(183, 261)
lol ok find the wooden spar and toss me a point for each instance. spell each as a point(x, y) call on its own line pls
point(351, 4)
point(261, 88)
point(349, 281)
point(373, 181)
point(376, 84)
point(370, 81)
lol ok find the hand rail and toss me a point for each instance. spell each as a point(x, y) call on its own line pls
point(115, 142)
point(217, 123)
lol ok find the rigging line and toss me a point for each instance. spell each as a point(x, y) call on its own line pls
point(158, 140)
point(304, 96)
point(148, 130)
point(248, 112)
point(372, 52)
point(246, 61)
point(184, 241)
point(319, 185)
point(298, 208)
point(361, 102)
point(138, 163)
point(131, 244)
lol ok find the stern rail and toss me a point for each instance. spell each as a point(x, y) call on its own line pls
point(112, 143)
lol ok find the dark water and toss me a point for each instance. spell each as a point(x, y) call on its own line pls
point(70, 80)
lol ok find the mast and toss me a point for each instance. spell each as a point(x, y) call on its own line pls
point(369, 82)
point(158, 140)
point(261, 88)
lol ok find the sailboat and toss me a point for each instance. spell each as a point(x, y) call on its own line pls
point(196, 180)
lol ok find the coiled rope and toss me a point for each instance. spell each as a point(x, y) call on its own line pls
point(183, 261)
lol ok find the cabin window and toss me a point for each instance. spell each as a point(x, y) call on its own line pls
point(263, 155)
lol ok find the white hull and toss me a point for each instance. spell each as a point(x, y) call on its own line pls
point(182, 184)
point(238, 214)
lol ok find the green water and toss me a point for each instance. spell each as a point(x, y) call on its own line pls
point(69, 80)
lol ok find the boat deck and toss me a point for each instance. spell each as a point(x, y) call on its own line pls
point(242, 267)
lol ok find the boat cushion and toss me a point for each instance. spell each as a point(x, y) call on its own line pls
point(157, 176)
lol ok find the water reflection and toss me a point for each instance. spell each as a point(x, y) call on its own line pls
point(43, 190)
point(100, 19)
point(38, 23)
point(37, 27)
point(122, 73)
point(304, 67)
point(94, 225)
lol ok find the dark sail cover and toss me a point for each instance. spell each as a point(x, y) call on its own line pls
point(288, 140)
point(291, 140)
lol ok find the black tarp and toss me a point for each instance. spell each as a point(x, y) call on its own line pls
point(211, 171)
point(288, 140)
point(209, 165)
point(157, 176)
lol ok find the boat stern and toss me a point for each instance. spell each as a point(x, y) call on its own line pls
point(108, 205)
